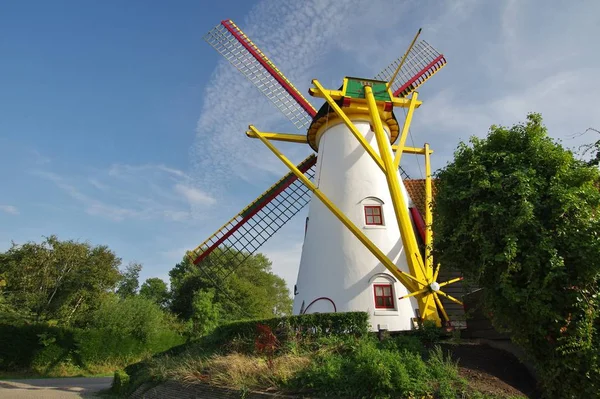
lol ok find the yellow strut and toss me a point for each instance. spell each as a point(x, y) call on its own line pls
point(405, 278)
point(428, 216)
point(350, 125)
point(412, 150)
point(404, 134)
point(290, 138)
point(408, 237)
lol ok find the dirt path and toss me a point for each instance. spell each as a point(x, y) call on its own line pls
point(53, 388)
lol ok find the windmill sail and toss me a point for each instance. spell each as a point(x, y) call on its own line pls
point(241, 237)
point(422, 62)
point(238, 49)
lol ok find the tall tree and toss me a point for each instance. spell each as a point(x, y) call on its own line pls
point(57, 279)
point(251, 291)
point(156, 290)
point(520, 215)
point(129, 283)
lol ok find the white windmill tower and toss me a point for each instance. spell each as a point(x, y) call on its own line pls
point(360, 251)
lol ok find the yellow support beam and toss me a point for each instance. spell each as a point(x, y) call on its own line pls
point(400, 209)
point(405, 278)
point(412, 150)
point(440, 306)
point(363, 142)
point(404, 134)
point(449, 297)
point(428, 215)
point(289, 138)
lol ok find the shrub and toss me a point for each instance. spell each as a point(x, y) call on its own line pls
point(241, 335)
point(134, 316)
point(41, 348)
point(366, 371)
point(518, 214)
point(120, 381)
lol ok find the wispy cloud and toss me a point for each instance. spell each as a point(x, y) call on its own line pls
point(193, 195)
point(138, 192)
point(10, 209)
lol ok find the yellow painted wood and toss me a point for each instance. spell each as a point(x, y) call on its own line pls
point(405, 128)
point(413, 256)
point(289, 138)
point(403, 277)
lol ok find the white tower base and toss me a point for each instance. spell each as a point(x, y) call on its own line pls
point(337, 272)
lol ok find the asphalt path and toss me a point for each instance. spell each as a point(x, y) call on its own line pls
point(53, 388)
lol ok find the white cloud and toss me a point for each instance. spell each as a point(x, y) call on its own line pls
point(193, 195)
point(140, 192)
point(10, 209)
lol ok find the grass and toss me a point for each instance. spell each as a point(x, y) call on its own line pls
point(398, 367)
point(67, 368)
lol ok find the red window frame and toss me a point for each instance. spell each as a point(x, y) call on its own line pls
point(373, 215)
point(384, 301)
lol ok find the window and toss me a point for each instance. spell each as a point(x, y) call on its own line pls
point(373, 215)
point(384, 298)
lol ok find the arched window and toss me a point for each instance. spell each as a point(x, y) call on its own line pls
point(383, 292)
point(384, 296)
point(373, 212)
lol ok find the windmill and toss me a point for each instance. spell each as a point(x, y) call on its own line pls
point(360, 250)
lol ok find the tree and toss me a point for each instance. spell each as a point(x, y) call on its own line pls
point(518, 214)
point(592, 148)
point(205, 312)
point(156, 290)
point(130, 280)
point(130, 316)
point(251, 291)
point(59, 280)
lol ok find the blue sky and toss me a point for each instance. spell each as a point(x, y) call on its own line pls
point(119, 125)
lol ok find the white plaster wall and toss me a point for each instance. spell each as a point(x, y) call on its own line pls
point(334, 264)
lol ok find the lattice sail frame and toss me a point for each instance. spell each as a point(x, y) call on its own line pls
point(242, 53)
point(422, 62)
point(247, 231)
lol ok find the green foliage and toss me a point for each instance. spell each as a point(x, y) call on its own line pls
point(252, 291)
point(56, 280)
point(129, 283)
point(41, 348)
point(365, 370)
point(206, 313)
point(135, 316)
point(518, 214)
point(156, 290)
point(243, 333)
point(120, 381)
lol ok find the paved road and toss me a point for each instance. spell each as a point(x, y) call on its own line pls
point(53, 388)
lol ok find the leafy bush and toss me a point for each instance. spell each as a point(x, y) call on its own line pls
point(242, 334)
point(518, 214)
point(134, 316)
point(120, 381)
point(41, 348)
point(368, 371)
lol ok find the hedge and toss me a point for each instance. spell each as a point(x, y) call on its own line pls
point(38, 346)
point(306, 326)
